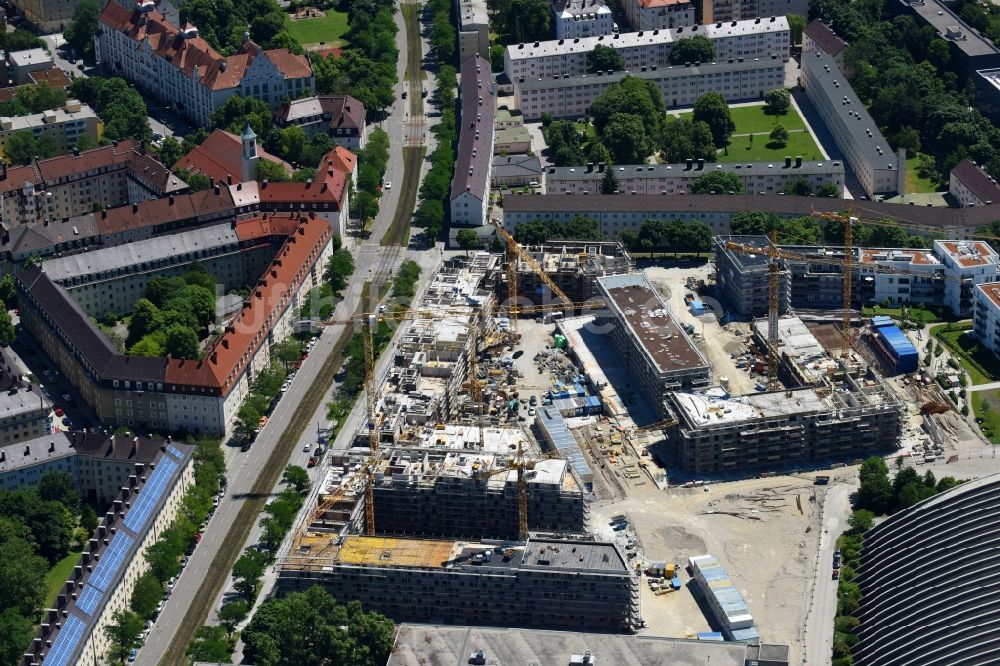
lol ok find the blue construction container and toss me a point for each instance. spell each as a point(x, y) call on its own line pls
point(710, 636)
point(697, 308)
point(594, 405)
point(893, 344)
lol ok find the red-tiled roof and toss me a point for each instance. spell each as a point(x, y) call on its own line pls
point(334, 51)
point(344, 110)
point(977, 181)
point(221, 156)
point(164, 211)
point(187, 53)
point(342, 159)
point(227, 359)
point(266, 227)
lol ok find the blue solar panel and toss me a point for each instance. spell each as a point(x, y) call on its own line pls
point(66, 642)
point(150, 494)
point(88, 600)
point(111, 561)
point(175, 452)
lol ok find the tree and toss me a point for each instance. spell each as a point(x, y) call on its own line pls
point(59, 487)
point(143, 321)
point(22, 147)
point(626, 138)
point(287, 352)
point(123, 635)
point(170, 151)
point(232, 613)
point(827, 190)
point(604, 59)
point(497, 58)
point(297, 478)
point(147, 593)
point(16, 631)
point(799, 187)
point(8, 291)
point(238, 112)
point(684, 139)
point(339, 269)
point(248, 571)
point(777, 101)
point(22, 577)
point(272, 172)
point(7, 333)
point(717, 182)
point(311, 628)
point(609, 181)
point(907, 138)
point(712, 109)
point(875, 493)
point(198, 182)
point(210, 644)
point(118, 104)
point(182, 342)
point(631, 95)
point(527, 21)
point(861, 521)
point(692, 49)
point(796, 25)
point(467, 239)
point(83, 27)
point(598, 153)
point(778, 135)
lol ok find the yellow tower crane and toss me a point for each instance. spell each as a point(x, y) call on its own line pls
point(521, 464)
point(515, 252)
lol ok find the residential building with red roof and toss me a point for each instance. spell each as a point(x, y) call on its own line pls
point(342, 117)
point(223, 156)
point(659, 14)
point(180, 69)
point(70, 185)
point(168, 394)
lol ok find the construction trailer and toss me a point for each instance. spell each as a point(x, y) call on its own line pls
point(543, 582)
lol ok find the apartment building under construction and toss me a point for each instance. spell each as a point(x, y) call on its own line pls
point(574, 266)
point(852, 414)
point(556, 583)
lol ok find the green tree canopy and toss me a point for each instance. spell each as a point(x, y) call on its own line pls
point(609, 181)
point(800, 187)
point(467, 240)
point(182, 342)
point(339, 269)
point(147, 594)
point(626, 137)
point(297, 478)
point(712, 109)
point(83, 27)
point(7, 333)
point(875, 492)
point(604, 59)
point(123, 635)
point(631, 95)
point(684, 139)
point(717, 182)
point(692, 49)
point(526, 21)
point(777, 101)
point(247, 572)
point(778, 135)
point(118, 104)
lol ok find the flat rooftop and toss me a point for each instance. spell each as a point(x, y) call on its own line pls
point(660, 171)
point(423, 465)
point(952, 28)
point(652, 73)
point(650, 320)
point(798, 342)
point(990, 291)
point(968, 253)
point(715, 406)
point(747, 260)
point(433, 645)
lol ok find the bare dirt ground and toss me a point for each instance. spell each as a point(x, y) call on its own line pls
point(764, 531)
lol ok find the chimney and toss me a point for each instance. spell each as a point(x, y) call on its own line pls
point(225, 343)
point(788, 161)
point(135, 208)
point(798, 161)
point(701, 163)
point(687, 164)
point(4, 171)
point(263, 184)
point(170, 200)
point(229, 179)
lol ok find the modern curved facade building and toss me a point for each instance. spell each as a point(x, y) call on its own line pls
point(930, 580)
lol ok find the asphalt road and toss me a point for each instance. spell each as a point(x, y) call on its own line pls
point(823, 609)
point(244, 468)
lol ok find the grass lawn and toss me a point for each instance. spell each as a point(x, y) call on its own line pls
point(59, 574)
point(986, 407)
point(982, 366)
point(741, 150)
point(924, 314)
point(914, 182)
point(753, 119)
point(329, 29)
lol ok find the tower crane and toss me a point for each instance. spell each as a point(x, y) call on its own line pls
point(849, 222)
point(773, 306)
point(515, 252)
point(521, 464)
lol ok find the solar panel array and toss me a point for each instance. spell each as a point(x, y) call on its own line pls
point(66, 642)
point(150, 494)
point(87, 602)
point(175, 452)
point(111, 561)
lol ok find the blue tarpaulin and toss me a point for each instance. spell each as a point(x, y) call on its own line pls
point(894, 344)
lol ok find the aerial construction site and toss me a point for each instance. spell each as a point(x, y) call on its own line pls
point(549, 428)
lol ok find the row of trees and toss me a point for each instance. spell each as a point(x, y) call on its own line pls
point(431, 212)
point(880, 496)
point(542, 231)
point(37, 527)
point(808, 231)
point(33, 99)
point(372, 161)
point(367, 67)
point(677, 236)
point(119, 105)
point(223, 23)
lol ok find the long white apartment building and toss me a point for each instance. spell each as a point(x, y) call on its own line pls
point(986, 316)
point(757, 177)
point(967, 265)
point(880, 170)
point(757, 38)
point(681, 85)
point(470, 186)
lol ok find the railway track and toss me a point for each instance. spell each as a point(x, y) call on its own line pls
point(239, 530)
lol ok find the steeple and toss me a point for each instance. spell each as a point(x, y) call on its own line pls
point(249, 154)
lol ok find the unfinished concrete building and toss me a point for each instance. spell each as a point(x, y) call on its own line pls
point(846, 418)
point(424, 384)
point(802, 359)
point(555, 583)
point(742, 277)
point(441, 484)
point(651, 344)
point(574, 266)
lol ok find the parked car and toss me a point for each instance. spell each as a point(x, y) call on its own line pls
point(132, 654)
point(312, 462)
point(836, 574)
point(307, 447)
